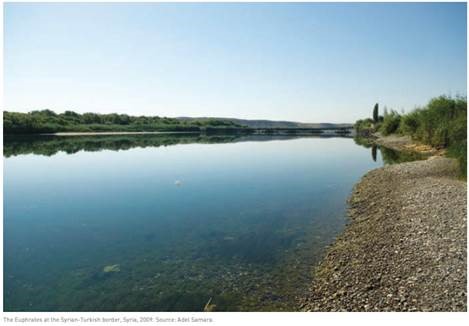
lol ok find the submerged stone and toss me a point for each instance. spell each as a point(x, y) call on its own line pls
point(111, 268)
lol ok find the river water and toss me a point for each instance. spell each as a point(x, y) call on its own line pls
point(171, 222)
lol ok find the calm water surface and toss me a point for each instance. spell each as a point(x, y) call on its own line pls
point(152, 224)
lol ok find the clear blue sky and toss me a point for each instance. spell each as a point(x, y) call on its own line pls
point(304, 62)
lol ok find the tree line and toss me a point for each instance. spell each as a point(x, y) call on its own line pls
point(47, 121)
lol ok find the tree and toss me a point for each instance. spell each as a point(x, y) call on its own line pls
point(91, 118)
point(375, 113)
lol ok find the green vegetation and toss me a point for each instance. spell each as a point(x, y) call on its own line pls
point(368, 126)
point(47, 121)
point(364, 127)
point(376, 113)
point(441, 123)
point(390, 123)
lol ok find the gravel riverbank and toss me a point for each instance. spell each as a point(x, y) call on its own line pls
point(405, 246)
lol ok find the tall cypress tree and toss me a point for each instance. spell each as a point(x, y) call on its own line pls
point(375, 113)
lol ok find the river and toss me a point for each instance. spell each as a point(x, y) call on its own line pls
point(169, 223)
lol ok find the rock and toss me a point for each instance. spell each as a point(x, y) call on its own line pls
point(111, 268)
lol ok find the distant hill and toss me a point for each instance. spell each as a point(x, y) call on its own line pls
point(273, 124)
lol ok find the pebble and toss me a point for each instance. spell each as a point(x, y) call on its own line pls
point(407, 235)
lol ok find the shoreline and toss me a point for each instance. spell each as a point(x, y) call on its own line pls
point(406, 144)
point(404, 247)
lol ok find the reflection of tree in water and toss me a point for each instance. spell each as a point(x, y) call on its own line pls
point(51, 145)
point(389, 156)
point(374, 149)
point(363, 141)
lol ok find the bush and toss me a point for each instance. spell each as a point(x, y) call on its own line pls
point(439, 123)
point(390, 123)
point(409, 123)
point(364, 127)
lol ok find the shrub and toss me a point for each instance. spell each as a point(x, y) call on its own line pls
point(390, 123)
point(437, 123)
point(409, 123)
point(364, 127)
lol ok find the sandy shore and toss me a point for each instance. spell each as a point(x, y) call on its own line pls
point(404, 248)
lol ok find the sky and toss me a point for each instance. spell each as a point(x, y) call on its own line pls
point(309, 62)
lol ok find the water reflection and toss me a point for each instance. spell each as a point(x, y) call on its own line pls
point(111, 230)
point(49, 145)
point(391, 156)
point(373, 153)
point(388, 155)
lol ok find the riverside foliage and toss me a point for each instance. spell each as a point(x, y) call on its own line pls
point(47, 121)
point(441, 123)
